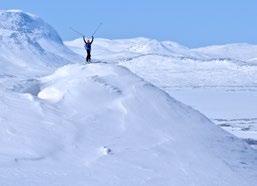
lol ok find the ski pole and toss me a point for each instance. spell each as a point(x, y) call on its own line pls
point(97, 28)
point(77, 32)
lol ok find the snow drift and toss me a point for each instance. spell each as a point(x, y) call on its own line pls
point(100, 124)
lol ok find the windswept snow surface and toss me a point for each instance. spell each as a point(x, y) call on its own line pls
point(220, 81)
point(100, 124)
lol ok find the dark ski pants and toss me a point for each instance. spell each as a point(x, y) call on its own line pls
point(88, 56)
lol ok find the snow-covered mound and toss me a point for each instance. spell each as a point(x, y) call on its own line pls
point(28, 44)
point(239, 51)
point(222, 86)
point(99, 124)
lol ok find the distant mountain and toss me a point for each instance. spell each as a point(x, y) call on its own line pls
point(183, 67)
point(29, 44)
point(120, 48)
point(238, 51)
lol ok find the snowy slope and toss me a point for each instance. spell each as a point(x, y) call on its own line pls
point(100, 124)
point(222, 87)
point(28, 43)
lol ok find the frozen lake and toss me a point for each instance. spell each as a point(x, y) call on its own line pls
point(235, 110)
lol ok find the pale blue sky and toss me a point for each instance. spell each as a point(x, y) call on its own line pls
point(190, 22)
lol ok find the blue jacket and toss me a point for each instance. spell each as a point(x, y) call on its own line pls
point(88, 44)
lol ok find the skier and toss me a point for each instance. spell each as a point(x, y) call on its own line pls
point(88, 44)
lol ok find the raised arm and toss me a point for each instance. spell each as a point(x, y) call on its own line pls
point(92, 39)
point(84, 39)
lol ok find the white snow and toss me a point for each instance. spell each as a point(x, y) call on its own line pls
point(51, 94)
point(28, 43)
point(100, 124)
point(106, 110)
point(222, 86)
point(239, 51)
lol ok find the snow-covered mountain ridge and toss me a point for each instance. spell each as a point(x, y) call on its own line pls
point(28, 43)
point(240, 52)
point(17, 22)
